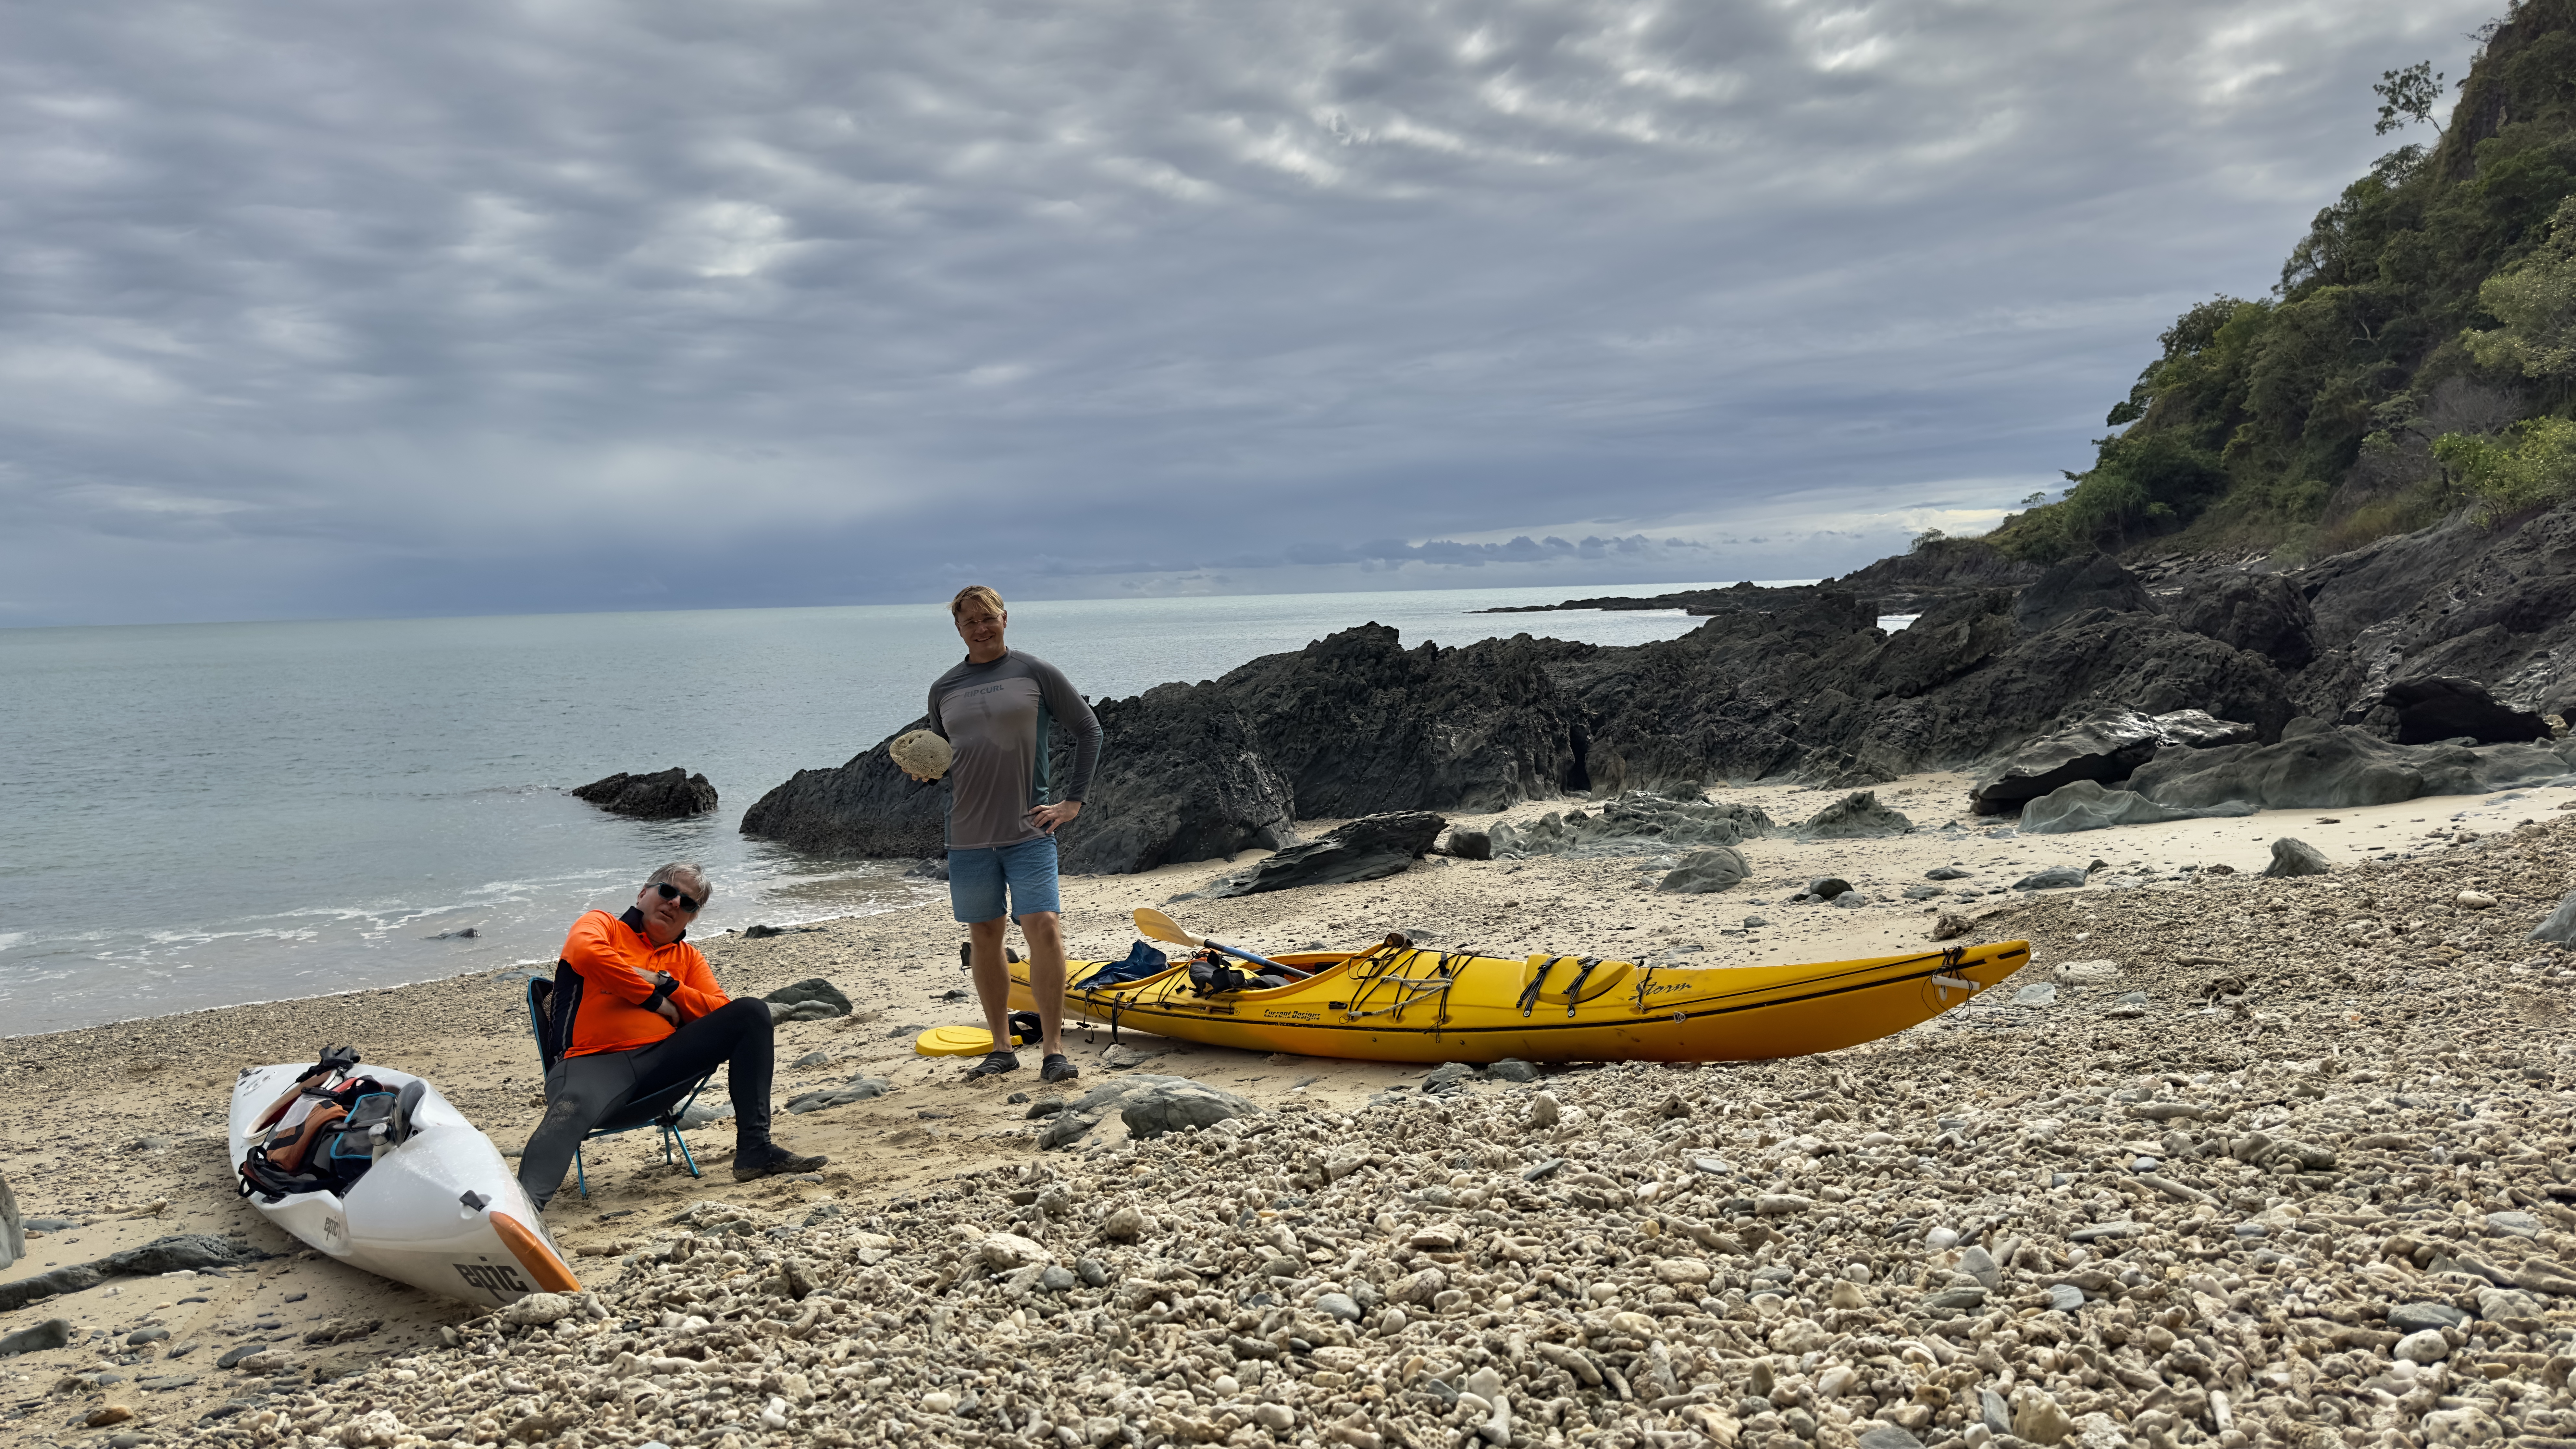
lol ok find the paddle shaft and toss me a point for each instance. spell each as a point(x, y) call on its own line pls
point(1244, 955)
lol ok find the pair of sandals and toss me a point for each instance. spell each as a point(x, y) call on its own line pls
point(1056, 1068)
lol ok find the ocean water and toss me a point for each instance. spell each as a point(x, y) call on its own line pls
point(203, 815)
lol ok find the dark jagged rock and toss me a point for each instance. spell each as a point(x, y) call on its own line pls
point(868, 807)
point(2444, 708)
point(1853, 817)
point(1469, 844)
point(2316, 767)
point(671, 794)
point(1369, 848)
point(1354, 724)
point(1357, 724)
point(2260, 613)
point(2076, 587)
point(2458, 600)
point(1180, 778)
point(2103, 747)
point(1817, 691)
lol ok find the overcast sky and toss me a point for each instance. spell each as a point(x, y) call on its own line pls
point(357, 308)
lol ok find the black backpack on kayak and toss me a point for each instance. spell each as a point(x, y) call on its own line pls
point(336, 1139)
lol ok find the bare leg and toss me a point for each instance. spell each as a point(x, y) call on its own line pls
point(1045, 933)
point(993, 977)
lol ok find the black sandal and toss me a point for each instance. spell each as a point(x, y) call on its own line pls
point(994, 1064)
point(1058, 1068)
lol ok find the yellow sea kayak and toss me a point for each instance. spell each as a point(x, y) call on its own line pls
point(1397, 1002)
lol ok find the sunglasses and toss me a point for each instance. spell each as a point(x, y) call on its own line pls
point(670, 892)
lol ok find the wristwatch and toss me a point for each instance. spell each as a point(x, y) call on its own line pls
point(664, 983)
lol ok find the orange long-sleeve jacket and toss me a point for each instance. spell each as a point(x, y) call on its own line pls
point(617, 964)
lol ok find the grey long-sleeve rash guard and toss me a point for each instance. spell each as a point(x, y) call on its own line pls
point(997, 716)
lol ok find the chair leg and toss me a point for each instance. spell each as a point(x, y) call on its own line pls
point(580, 1174)
point(684, 1155)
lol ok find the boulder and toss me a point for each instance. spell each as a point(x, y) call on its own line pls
point(13, 1229)
point(671, 794)
point(1162, 1107)
point(1704, 871)
point(1855, 816)
point(2089, 805)
point(2447, 708)
point(2260, 613)
point(812, 989)
point(2320, 767)
point(1469, 844)
point(2296, 857)
point(2104, 746)
point(1065, 1129)
point(36, 1337)
point(2560, 925)
point(1632, 824)
point(2076, 587)
point(1369, 848)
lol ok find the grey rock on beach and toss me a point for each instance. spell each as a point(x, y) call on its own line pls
point(1856, 816)
point(1704, 871)
point(13, 1229)
point(2089, 805)
point(1636, 823)
point(2296, 857)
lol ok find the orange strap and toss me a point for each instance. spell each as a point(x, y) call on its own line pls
point(290, 1157)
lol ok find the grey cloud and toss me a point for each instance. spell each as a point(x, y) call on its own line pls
point(333, 308)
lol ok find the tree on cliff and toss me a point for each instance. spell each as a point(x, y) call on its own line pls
point(2434, 298)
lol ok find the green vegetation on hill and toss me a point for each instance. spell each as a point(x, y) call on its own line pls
point(2418, 355)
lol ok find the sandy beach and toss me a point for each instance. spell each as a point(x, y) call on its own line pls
point(118, 1131)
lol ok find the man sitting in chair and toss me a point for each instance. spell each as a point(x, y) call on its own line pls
point(647, 1017)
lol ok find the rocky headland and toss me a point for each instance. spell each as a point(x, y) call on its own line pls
point(2457, 638)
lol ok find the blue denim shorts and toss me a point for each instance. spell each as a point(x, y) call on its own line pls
point(976, 879)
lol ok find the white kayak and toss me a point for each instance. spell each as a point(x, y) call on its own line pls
point(437, 1207)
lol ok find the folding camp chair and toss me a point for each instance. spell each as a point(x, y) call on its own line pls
point(662, 1110)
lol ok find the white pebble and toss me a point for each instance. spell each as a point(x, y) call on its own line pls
point(2424, 1345)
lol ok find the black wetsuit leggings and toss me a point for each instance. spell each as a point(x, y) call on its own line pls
point(583, 1092)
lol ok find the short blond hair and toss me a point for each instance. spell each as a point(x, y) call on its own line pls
point(976, 594)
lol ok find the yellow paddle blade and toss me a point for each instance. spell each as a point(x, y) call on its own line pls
point(1163, 928)
point(957, 1041)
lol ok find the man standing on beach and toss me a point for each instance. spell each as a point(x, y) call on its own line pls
point(636, 1013)
point(995, 709)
